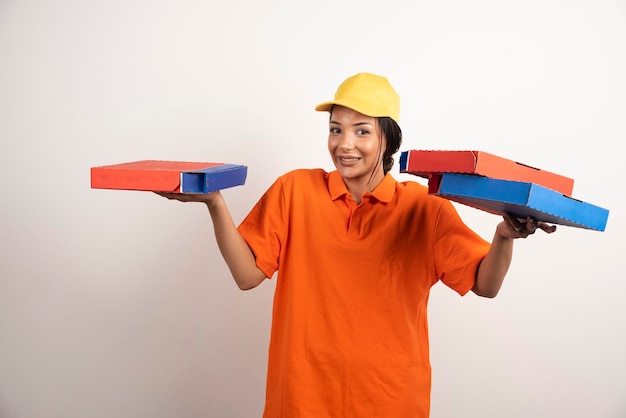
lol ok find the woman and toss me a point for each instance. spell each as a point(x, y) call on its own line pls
point(356, 254)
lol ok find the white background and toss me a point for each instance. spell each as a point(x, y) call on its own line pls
point(117, 304)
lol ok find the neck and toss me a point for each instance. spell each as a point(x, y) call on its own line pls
point(358, 187)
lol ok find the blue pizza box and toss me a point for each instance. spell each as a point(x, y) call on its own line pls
point(522, 199)
point(211, 179)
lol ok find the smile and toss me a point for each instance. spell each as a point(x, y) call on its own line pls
point(348, 159)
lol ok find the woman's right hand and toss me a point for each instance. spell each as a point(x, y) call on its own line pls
point(207, 198)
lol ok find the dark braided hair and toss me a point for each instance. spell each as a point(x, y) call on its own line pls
point(393, 136)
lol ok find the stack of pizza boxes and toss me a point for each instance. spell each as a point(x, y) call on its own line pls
point(498, 185)
point(168, 176)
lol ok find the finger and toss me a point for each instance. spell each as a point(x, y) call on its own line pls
point(514, 222)
point(174, 196)
point(548, 229)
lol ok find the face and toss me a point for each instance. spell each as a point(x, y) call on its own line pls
point(356, 147)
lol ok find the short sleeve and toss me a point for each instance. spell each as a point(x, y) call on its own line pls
point(458, 250)
point(264, 228)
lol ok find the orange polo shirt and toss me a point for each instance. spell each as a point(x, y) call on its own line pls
point(349, 332)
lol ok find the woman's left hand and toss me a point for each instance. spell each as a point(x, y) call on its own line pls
point(512, 227)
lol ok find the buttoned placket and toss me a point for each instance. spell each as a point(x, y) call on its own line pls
point(355, 216)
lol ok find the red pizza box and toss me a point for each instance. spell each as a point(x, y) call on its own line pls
point(424, 163)
point(168, 176)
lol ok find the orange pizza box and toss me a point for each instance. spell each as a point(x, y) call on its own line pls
point(424, 163)
point(168, 176)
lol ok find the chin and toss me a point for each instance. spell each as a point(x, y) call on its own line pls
point(351, 175)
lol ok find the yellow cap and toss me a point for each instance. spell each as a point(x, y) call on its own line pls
point(369, 94)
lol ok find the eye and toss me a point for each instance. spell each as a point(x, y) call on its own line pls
point(335, 131)
point(362, 132)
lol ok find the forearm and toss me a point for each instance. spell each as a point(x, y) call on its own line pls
point(234, 249)
point(494, 266)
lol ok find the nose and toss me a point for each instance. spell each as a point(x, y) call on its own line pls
point(347, 142)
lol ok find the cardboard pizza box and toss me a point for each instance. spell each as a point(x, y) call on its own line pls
point(168, 176)
point(520, 198)
point(425, 163)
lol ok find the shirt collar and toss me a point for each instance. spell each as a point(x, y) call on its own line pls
point(383, 192)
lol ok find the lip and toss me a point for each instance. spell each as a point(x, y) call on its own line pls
point(348, 160)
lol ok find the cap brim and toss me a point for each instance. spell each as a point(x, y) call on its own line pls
point(350, 104)
point(355, 105)
point(324, 107)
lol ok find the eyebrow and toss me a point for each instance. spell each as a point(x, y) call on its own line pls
point(356, 124)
